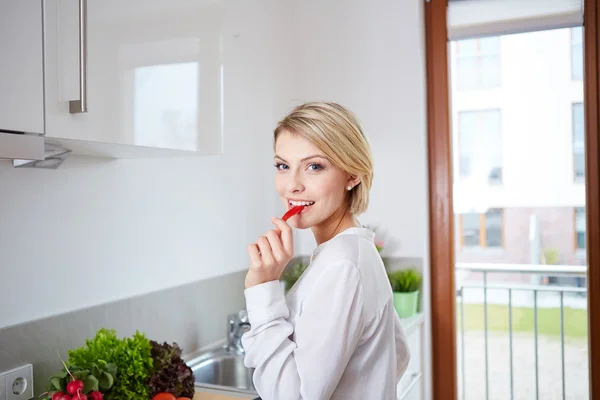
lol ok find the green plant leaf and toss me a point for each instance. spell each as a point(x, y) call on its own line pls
point(405, 280)
point(90, 383)
point(105, 380)
point(56, 383)
point(61, 375)
point(111, 369)
point(96, 371)
point(81, 375)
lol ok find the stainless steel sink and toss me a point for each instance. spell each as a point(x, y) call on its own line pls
point(223, 369)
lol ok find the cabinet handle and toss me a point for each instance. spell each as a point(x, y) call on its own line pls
point(80, 106)
point(415, 378)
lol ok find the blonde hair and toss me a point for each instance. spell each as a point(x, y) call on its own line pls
point(336, 132)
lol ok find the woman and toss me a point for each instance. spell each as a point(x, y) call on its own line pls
point(335, 335)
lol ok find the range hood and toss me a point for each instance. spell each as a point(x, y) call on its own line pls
point(30, 150)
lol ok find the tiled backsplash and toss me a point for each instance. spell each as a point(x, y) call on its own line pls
point(193, 315)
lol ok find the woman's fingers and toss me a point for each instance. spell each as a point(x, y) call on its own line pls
point(254, 255)
point(266, 253)
point(287, 236)
point(276, 245)
point(270, 254)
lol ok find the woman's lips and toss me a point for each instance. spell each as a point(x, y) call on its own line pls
point(306, 204)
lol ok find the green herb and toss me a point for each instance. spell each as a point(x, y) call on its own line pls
point(130, 356)
point(291, 274)
point(405, 280)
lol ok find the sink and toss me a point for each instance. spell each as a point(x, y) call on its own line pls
point(223, 369)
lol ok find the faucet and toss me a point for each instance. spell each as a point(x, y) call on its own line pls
point(237, 325)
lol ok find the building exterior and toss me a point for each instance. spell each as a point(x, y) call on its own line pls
point(518, 150)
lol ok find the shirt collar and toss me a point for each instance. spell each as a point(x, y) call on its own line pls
point(363, 232)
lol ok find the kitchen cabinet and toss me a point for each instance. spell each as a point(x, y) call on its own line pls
point(21, 79)
point(138, 73)
point(21, 69)
point(410, 386)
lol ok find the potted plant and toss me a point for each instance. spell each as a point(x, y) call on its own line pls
point(405, 285)
point(291, 274)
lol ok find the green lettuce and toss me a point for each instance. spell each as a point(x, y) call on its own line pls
point(131, 356)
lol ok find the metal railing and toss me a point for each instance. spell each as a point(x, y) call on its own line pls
point(544, 270)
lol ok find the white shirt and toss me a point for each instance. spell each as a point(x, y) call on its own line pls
point(335, 335)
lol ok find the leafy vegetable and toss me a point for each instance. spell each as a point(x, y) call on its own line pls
point(405, 280)
point(291, 274)
point(90, 378)
point(171, 374)
point(129, 358)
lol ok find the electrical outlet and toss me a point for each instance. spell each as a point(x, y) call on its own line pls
point(19, 383)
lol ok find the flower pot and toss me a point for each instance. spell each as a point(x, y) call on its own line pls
point(406, 303)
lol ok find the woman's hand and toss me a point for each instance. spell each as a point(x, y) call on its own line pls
point(270, 254)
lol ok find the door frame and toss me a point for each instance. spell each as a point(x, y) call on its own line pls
point(441, 216)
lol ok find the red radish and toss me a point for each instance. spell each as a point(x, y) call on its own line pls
point(79, 396)
point(64, 397)
point(96, 395)
point(57, 396)
point(74, 386)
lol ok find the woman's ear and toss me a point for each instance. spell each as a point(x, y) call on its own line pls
point(352, 182)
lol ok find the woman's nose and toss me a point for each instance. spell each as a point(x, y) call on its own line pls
point(295, 184)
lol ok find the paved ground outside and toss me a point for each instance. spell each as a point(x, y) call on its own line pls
point(549, 367)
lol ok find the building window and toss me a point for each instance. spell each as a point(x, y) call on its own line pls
point(478, 63)
point(480, 146)
point(580, 228)
point(578, 142)
point(577, 53)
point(482, 230)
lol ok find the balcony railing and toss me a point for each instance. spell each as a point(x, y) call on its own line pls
point(485, 269)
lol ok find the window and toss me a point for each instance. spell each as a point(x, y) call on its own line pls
point(482, 230)
point(578, 142)
point(580, 228)
point(577, 53)
point(480, 146)
point(478, 63)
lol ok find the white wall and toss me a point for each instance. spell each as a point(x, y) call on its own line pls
point(370, 57)
point(99, 230)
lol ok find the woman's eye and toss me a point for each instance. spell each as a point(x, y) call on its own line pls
point(315, 167)
point(281, 166)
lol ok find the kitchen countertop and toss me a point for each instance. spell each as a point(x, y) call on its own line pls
point(409, 324)
point(214, 394)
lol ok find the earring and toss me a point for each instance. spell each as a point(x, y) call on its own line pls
point(349, 188)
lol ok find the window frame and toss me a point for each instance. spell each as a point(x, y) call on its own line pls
point(573, 44)
point(483, 230)
point(576, 178)
point(575, 232)
point(478, 56)
point(458, 162)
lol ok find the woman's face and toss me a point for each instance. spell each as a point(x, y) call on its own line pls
point(305, 176)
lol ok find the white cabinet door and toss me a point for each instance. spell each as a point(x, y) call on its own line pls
point(21, 66)
point(413, 391)
point(149, 72)
point(409, 387)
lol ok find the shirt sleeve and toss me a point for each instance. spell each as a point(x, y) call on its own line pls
point(326, 335)
point(402, 351)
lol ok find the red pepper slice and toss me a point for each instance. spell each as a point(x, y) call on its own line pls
point(291, 212)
